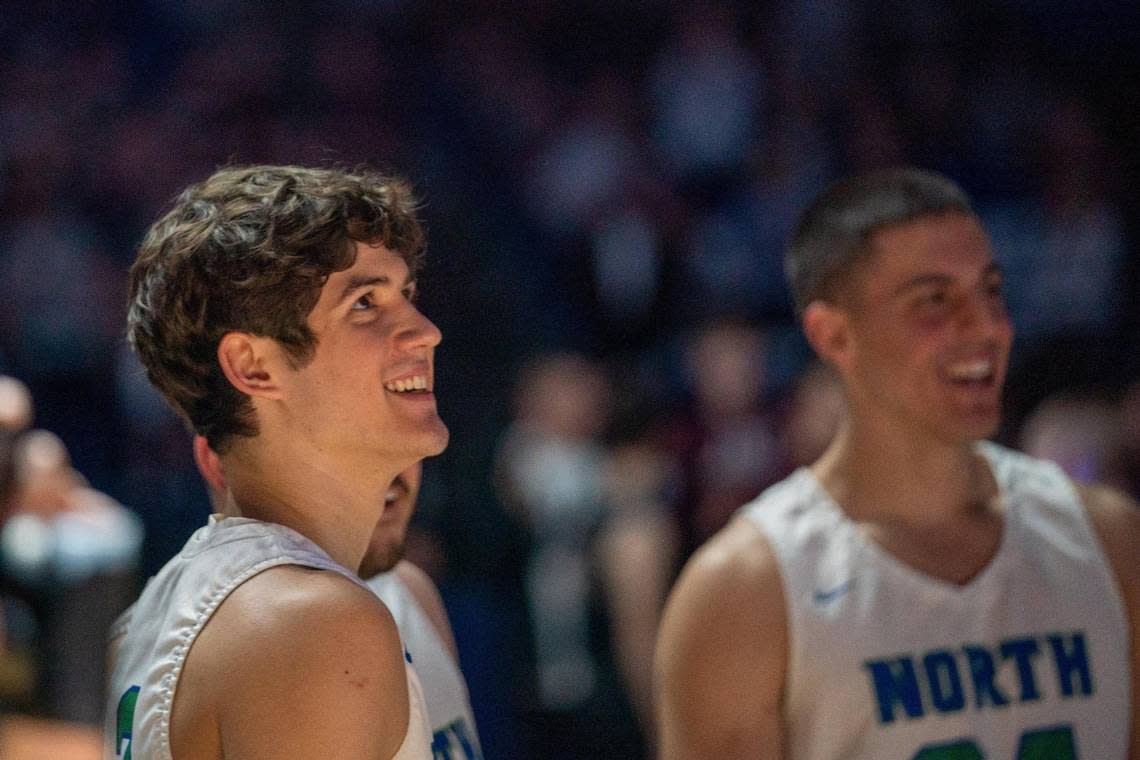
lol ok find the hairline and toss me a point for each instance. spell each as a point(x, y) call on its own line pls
point(838, 286)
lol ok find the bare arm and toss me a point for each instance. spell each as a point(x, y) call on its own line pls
point(636, 556)
point(295, 663)
point(721, 653)
point(425, 592)
point(24, 738)
point(1116, 518)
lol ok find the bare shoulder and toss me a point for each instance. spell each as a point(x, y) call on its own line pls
point(722, 649)
point(1105, 501)
point(1116, 519)
point(290, 642)
point(739, 549)
point(283, 603)
point(427, 595)
point(734, 575)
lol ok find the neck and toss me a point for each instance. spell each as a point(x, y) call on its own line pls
point(876, 476)
point(334, 503)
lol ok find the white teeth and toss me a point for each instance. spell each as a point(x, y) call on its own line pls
point(975, 370)
point(416, 383)
point(391, 496)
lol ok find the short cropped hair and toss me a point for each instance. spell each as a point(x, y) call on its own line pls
point(834, 234)
point(248, 250)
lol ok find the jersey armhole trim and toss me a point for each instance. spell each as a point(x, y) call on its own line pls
point(170, 679)
point(791, 625)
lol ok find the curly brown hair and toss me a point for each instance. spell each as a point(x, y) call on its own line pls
point(248, 250)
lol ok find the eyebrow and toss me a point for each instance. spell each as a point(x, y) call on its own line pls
point(924, 280)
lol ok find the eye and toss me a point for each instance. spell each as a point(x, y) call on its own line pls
point(363, 303)
point(409, 291)
point(933, 298)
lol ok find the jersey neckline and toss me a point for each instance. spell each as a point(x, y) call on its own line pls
point(908, 573)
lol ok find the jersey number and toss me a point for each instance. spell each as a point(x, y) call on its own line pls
point(1042, 744)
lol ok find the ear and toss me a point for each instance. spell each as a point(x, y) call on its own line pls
point(209, 465)
point(248, 362)
point(827, 328)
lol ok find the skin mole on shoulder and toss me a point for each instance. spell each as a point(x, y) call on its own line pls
point(358, 681)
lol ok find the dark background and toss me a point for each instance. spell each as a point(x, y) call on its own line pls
point(597, 177)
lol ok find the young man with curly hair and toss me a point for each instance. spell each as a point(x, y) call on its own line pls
point(409, 594)
point(273, 307)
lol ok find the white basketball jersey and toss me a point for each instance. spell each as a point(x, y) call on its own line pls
point(153, 637)
point(448, 704)
point(1029, 660)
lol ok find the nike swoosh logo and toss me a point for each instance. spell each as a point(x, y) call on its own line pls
point(830, 595)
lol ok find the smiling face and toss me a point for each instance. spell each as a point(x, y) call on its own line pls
point(927, 337)
point(386, 547)
point(368, 393)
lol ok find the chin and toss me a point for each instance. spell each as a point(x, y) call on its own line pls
point(976, 429)
point(381, 559)
point(438, 442)
point(414, 445)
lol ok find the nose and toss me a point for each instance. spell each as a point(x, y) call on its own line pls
point(419, 331)
point(982, 315)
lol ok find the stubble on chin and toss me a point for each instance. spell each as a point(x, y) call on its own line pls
point(381, 559)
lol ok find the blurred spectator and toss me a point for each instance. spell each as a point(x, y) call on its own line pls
point(627, 263)
point(637, 551)
point(61, 526)
point(706, 91)
point(1078, 433)
point(725, 442)
point(503, 85)
point(552, 468)
point(15, 405)
point(1064, 249)
point(551, 462)
point(586, 162)
point(34, 476)
point(815, 414)
point(15, 417)
point(816, 38)
point(51, 259)
point(67, 562)
point(728, 267)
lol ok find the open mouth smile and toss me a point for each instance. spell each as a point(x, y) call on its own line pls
point(413, 384)
point(973, 373)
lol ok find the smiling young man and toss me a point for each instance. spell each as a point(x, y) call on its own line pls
point(272, 306)
point(917, 593)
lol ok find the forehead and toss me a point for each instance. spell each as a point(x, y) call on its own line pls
point(370, 262)
point(950, 245)
point(374, 257)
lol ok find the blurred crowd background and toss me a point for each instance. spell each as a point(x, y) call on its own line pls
point(607, 188)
